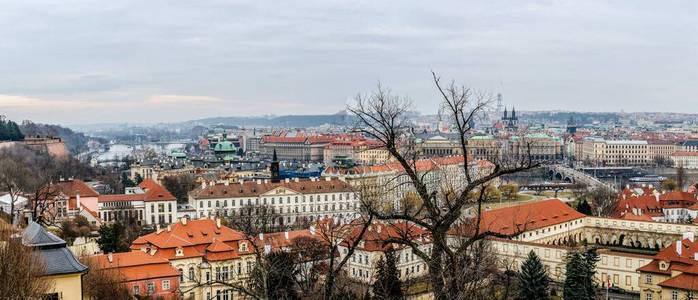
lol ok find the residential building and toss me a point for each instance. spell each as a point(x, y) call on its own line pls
point(673, 272)
point(372, 248)
point(686, 159)
point(63, 271)
point(143, 274)
point(203, 252)
point(295, 200)
point(149, 204)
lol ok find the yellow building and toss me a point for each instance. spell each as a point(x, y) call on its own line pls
point(63, 271)
point(673, 273)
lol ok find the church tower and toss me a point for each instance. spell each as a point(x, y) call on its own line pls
point(274, 168)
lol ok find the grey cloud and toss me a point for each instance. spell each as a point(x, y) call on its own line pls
point(582, 55)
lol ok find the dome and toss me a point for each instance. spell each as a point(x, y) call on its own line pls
point(225, 146)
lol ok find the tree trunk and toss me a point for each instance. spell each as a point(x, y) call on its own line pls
point(436, 273)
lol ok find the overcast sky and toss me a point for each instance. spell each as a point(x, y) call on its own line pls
point(73, 62)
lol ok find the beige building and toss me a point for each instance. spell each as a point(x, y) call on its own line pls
point(295, 200)
point(686, 159)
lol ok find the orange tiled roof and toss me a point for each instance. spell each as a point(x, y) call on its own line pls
point(155, 192)
point(376, 236)
point(136, 265)
point(633, 217)
point(528, 216)
point(72, 187)
point(195, 232)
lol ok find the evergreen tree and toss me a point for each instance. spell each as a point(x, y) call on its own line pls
point(533, 279)
point(584, 207)
point(112, 238)
point(387, 285)
point(579, 275)
point(138, 178)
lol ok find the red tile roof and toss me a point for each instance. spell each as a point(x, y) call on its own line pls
point(72, 187)
point(195, 232)
point(528, 216)
point(155, 192)
point(136, 265)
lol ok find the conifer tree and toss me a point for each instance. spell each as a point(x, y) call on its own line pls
point(584, 207)
point(533, 279)
point(579, 275)
point(387, 285)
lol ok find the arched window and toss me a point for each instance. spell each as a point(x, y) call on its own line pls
point(181, 274)
point(191, 273)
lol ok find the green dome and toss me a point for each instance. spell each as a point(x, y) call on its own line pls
point(225, 146)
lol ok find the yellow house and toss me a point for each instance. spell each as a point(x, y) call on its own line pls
point(62, 270)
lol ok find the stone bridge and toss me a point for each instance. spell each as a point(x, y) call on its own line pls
point(569, 175)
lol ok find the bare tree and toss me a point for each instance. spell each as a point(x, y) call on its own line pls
point(445, 200)
point(16, 179)
point(103, 283)
point(21, 268)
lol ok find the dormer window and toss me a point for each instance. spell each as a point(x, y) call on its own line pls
point(663, 265)
point(243, 247)
point(179, 252)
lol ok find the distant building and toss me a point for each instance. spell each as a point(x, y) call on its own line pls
point(295, 148)
point(686, 159)
point(511, 121)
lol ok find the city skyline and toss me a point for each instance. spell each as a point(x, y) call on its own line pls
point(148, 62)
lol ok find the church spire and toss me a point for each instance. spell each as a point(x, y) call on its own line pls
point(505, 113)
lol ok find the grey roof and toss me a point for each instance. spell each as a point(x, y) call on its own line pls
point(57, 257)
point(36, 235)
point(61, 261)
point(693, 143)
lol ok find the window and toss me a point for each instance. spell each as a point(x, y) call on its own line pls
point(136, 290)
point(208, 276)
point(151, 288)
point(165, 285)
point(191, 273)
point(181, 275)
point(648, 296)
point(674, 295)
point(648, 278)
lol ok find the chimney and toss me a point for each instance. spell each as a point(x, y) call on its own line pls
point(656, 196)
point(241, 181)
point(110, 257)
point(695, 255)
point(169, 228)
point(203, 184)
point(690, 235)
point(286, 234)
point(259, 181)
point(77, 200)
point(312, 230)
point(328, 178)
point(267, 249)
point(261, 236)
point(287, 180)
point(296, 179)
point(184, 221)
point(218, 223)
point(378, 228)
point(225, 183)
point(678, 247)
